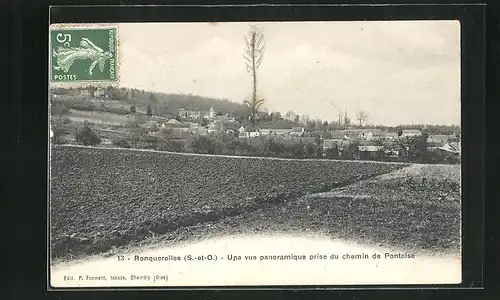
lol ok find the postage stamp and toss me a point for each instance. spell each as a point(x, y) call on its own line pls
point(83, 54)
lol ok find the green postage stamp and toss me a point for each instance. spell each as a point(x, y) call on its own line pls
point(83, 54)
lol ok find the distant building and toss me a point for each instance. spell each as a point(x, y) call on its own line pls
point(411, 132)
point(438, 138)
point(253, 134)
point(338, 134)
point(450, 148)
point(151, 125)
point(371, 152)
point(242, 130)
point(181, 129)
point(84, 92)
point(265, 131)
point(381, 135)
point(212, 113)
point(282, 132)
point(189, 114)
point(173, 122)
point(215, 127)
point(298, 131)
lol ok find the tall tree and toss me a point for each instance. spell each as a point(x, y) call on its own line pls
point(290, 115)
point(347, 120)
point(154, 102)
point(254, 53)
point(361, 116)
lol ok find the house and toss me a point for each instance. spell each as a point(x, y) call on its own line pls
point(265, 131)
point(282, 132)
point(181, 129)
point(253, 134)
point(364, 133)
point(242, 130)
point(411, 132)
point(438, 138)
point(338, 134)
point(215, 127)
point(188, 114)
point(226, 119)
point(173, 122)
point(381, 135)
point(371, 152)
point(450, 148)
point(150, 125)
point(298, 131)
point(231, 131)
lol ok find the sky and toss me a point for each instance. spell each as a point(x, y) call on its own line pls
point(399, 72)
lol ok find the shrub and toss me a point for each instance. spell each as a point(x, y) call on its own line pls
point(332, 153)
point(87, 137)
point(58, 108)
point(203, 145)
point(58, 133)
point(310, 150)
point(122, 142)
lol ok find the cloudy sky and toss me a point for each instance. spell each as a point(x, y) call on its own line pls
point(399, 72)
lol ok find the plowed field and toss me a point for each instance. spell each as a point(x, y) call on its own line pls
point(105, 198)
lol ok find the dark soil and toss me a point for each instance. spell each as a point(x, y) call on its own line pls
point(413, 209)
point(106, 198)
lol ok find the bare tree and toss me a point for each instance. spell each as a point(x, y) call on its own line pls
point(361, 116)
point(290, 115)
point(347, 120)
point(254, 53)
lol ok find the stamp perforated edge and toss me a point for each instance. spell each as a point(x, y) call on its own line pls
point(86, 26)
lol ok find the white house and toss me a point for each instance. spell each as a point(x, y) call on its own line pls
point(242, 130)
point(297, 131)
point(265, 131)
point(173, 122)
point(380, 135)
point(254, 134)
point(451, 147)
point(189, 114)
point(411, 132)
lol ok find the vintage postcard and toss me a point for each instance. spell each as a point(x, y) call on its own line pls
point(263, 153)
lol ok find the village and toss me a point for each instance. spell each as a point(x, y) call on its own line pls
point(147, 125)
point(373, 143)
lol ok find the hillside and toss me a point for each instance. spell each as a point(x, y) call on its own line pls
point(163, 104)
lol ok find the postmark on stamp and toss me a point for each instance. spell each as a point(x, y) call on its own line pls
point(87, 54)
